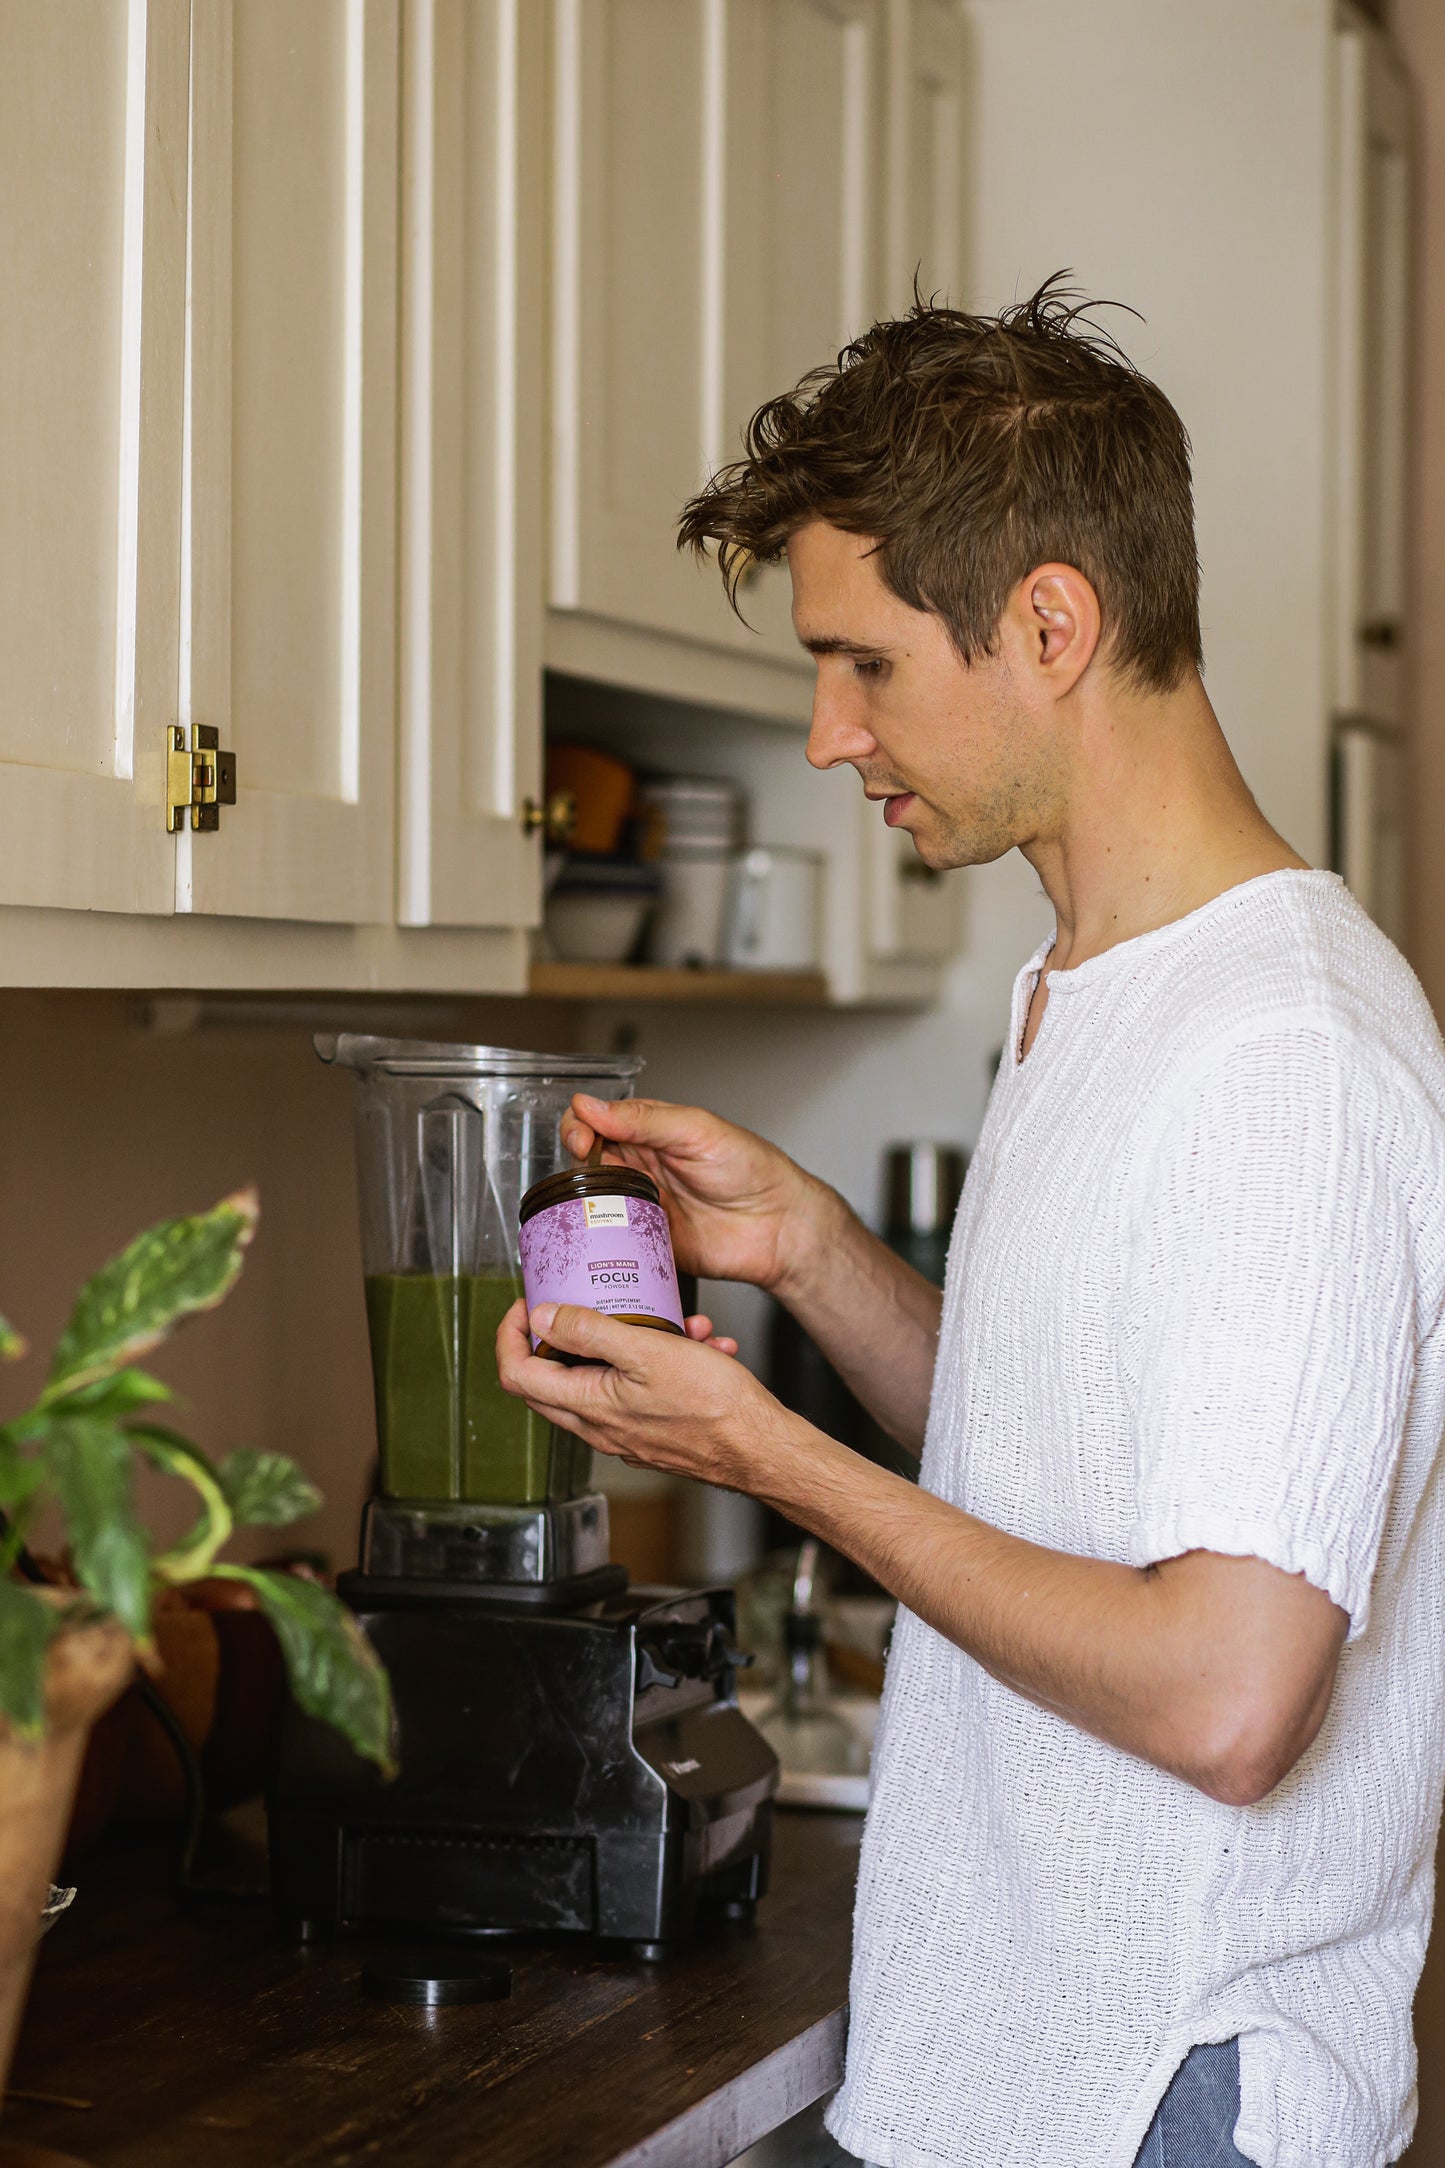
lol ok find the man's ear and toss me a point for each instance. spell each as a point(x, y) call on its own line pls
point(1053, 626)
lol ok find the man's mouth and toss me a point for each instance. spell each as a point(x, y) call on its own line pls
point(897, 806)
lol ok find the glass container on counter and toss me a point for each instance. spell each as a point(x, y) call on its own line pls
point(804, 1726)
point(448, 1138)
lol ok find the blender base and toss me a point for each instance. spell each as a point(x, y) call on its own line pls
point(375, 1591)
point(419, 1551)
point(464, 1540)
point(582, 1771)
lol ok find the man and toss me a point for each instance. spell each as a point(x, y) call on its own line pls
point(1148, 1869)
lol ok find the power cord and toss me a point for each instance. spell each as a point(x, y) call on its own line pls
point(192, 1775)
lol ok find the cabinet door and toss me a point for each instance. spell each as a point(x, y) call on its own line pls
point(802, 160)
point(1370, 812)
point(716, 171)
point(912, 912)
point(912, 915)
point(1372, 376)
point(924, 219)
point(92, 273)
point(471, 461)
point(287, 566)
point(630, 151)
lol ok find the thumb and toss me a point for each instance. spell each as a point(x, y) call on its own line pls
point(567, 1329)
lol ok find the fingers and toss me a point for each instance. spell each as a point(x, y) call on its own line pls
point(569, 1397)
point(700, 1328)
point(655, 1123)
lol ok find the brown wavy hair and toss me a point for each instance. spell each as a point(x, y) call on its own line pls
point(970, 449)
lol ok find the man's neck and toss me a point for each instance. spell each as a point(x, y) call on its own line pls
point(1155, 819)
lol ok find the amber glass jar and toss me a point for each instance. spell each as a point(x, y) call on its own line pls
point(597, 1237)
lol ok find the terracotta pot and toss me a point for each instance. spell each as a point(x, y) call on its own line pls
point(220, 1669)
point(85, 1671)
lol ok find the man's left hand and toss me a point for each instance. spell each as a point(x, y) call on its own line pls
point(681, 1404)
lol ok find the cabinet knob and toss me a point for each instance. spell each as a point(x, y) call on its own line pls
point(1382, 634)
point(555, 816)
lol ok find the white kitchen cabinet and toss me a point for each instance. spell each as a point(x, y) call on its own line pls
point(630, 273)
point(1371, 808)
point(288, 549)
point(714, 239)
point(278, 470)
point(200, 249)
point(204, 425)
point(92, 284)
point(1372, 374)
point(924, 207)
point(910, 912)
point(716, 178)
point(471, 463)
point(911, 917)
point(801, 241)
point(1370, 473)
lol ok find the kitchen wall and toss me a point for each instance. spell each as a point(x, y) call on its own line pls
point(116, 1113)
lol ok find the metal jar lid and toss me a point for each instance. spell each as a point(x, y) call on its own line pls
point(586, 1182)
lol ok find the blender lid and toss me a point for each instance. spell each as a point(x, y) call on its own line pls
point(440, 1058)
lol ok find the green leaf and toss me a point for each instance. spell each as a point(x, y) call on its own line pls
point(12, 1344)
point(177, 1456)
point(90, 1465)
point(26, 1627)
point(112, 1399)
point(334, 1671)
point(20, 1473)
point(169, 1272)
point(265, 1490)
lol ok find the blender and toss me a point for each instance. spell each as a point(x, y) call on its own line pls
point(571, 1755)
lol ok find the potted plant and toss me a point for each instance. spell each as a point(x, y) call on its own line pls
point(65, 1654)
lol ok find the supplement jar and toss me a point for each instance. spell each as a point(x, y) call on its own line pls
point(597, 1237)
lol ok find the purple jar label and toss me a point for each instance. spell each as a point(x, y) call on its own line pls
point(611, 1254)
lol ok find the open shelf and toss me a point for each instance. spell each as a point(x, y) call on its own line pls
point(647, 982)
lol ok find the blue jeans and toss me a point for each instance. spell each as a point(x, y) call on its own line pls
point(1194, 2127)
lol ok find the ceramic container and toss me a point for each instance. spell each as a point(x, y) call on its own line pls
point(773, 913)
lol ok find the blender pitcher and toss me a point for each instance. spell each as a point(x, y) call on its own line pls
point(448, 1139)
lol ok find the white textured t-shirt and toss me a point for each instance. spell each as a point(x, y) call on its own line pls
point(1194, 1302)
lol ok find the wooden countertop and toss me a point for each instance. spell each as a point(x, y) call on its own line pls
point(192, 2038)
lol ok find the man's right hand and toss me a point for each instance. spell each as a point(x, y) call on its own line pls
point(739, 1208)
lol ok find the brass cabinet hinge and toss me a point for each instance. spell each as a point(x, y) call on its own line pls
point(199, 780)
point(555, 816)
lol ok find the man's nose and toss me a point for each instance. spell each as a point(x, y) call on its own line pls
point(838, 734)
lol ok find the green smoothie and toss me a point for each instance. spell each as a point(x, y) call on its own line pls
point(445, 1426)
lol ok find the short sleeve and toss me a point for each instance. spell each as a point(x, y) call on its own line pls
point(1269, 1326)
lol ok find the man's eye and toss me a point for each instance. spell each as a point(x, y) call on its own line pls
point(871, 666)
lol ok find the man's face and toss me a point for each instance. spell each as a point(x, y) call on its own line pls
point(948, 747)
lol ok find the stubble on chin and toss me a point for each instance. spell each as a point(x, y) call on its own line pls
point(992, 814)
